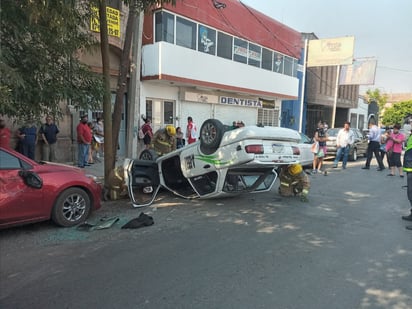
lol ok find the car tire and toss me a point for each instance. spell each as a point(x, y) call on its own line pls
point(354, 156)
point(211, 134)
point(71, 207)
point(148, 155)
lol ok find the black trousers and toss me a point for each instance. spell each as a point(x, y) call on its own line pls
point(374, 148)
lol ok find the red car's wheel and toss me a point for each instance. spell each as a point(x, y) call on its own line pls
point(71, 208)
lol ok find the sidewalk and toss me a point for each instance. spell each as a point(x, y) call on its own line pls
point(97, 169)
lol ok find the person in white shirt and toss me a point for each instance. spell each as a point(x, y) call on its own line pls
point(344, 140)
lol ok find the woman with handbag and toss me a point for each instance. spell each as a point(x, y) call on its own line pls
point(384, 139)
point(320, 138)
point(394, 150)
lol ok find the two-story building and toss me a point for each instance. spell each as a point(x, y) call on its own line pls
point(228, 62)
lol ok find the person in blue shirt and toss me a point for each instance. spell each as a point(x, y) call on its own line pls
point(27, 136)
point(374, 137)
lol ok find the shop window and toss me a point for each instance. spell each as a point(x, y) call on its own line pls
point(224, 45)
point(168, 112)
point(164, 23)
point(267, 56)
point(185, 33)
point(207, 40)
point(240, 51)
point(254, 55)
point(278, 63)
point(149, 109)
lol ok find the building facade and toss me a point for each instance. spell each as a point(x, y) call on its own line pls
point(203, 61)
point(320, 95)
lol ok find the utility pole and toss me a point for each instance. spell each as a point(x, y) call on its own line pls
point(133, 108)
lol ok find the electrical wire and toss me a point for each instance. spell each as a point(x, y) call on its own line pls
point(283, 42)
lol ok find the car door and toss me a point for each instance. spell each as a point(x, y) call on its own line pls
point(142, 180)
point(18, 201)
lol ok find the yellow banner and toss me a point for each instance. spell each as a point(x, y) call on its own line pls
point(329, 52)
point(113, 21)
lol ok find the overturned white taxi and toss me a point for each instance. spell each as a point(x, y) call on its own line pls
point(223, 162)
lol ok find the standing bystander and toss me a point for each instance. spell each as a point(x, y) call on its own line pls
point(191, 131)
point(394, 150)
point(4, 134)
point(374, 137)
point(84, 139)
point(344, 140)
point(383, 141)
point(180, 141)
point(147, 132)
point(99, 136)
point(48, 133)
point(28, 139)
point(320, 137)
point(407, 167)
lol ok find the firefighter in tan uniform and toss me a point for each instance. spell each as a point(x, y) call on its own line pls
point(294, 181)
point(164, 140)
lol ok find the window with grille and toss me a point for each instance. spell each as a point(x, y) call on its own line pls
point(268, 117)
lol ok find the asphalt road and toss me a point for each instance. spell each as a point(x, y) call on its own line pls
point(346, 248)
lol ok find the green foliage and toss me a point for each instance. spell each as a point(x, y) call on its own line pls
point(39, 67)
point(142, 5)
point(397, 113)
point(378, 97)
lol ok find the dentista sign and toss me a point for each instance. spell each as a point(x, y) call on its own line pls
point(240, 102)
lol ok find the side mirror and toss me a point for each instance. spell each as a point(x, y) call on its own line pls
point(31, 179)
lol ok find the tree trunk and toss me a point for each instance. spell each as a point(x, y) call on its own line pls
point(123, 74)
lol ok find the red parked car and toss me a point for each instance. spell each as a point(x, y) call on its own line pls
point(37, 191)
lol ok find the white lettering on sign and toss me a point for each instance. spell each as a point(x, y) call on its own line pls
point(240, 102)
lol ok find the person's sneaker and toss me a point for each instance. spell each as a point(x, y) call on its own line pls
point(365, 167)
point(407, 218)
point(380, 169)
point(335, 165)
point(314, 171)
point(344, 167)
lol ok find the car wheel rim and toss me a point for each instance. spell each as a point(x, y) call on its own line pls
point(74, 207)
point(209, 133)
point(146, 156)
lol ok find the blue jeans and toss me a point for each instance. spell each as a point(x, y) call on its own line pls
point(339, 151)
point(83, 154)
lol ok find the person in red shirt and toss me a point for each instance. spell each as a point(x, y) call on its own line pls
point(147, 131)
point(4, 135)
point(84, 139)
point(191, 131)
